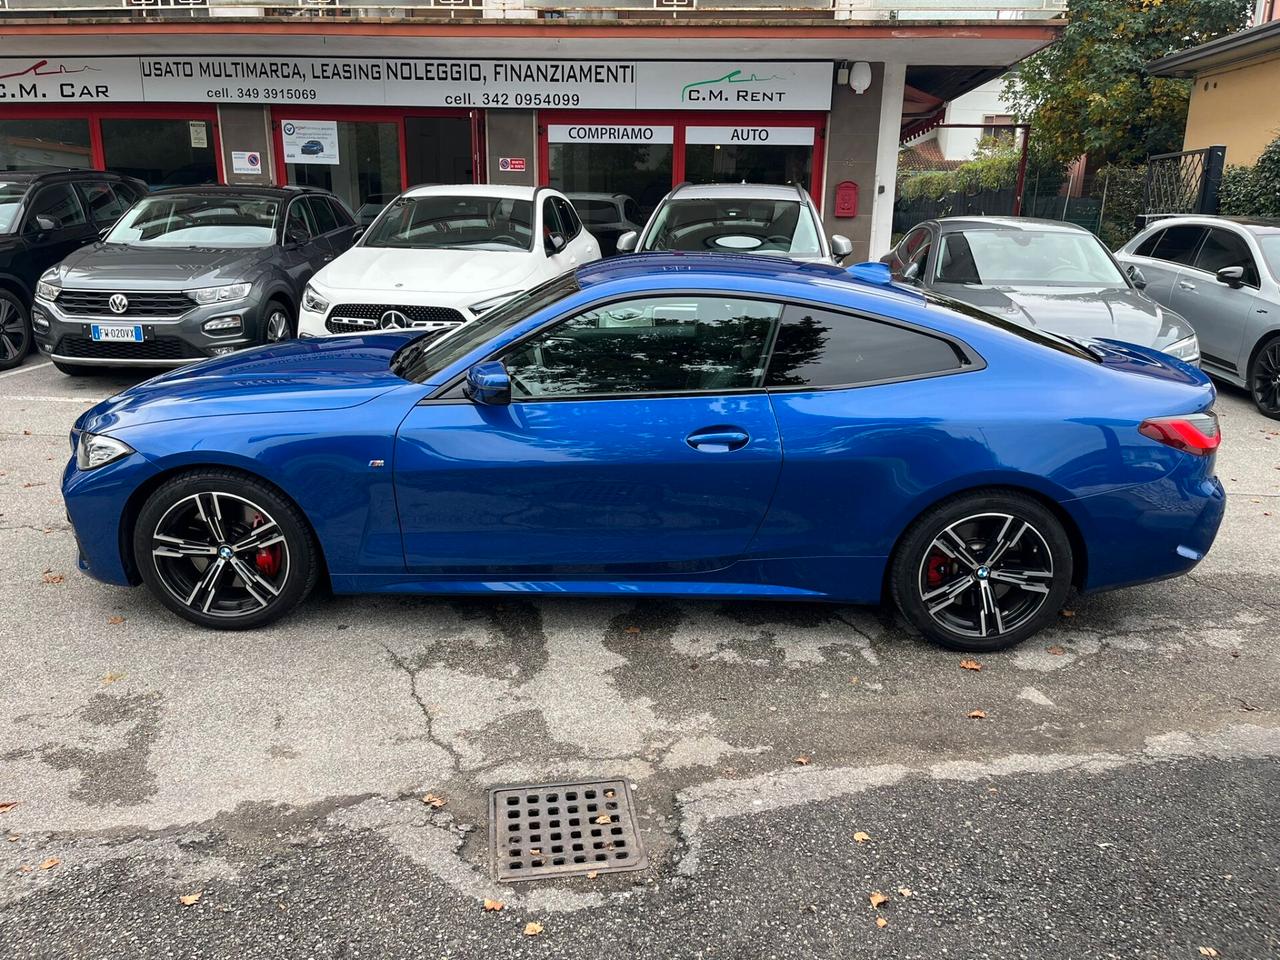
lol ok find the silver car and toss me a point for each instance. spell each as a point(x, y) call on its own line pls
point(1223, 276)
point(778, 221)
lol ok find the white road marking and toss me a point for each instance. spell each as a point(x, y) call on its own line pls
point(26, 369)
point(53, 399)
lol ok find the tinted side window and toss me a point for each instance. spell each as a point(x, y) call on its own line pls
point(1145, 248)
point(322, 214)
point(1178, 244)
point(60, 204)
point(1223, 248)
point(550, 219)
point(817, 348)
point(105, 205)
point(911, 241)
point(299, 220)
point(673, 344)
point(341, 213)
point(568, 218)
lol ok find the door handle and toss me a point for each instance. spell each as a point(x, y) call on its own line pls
point(718, 439)
point(1186, 285)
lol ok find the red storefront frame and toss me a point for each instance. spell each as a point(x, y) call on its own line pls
point(96, 113)
point(680, 122)
point(396, 115)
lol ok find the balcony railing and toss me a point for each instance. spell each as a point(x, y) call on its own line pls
point(521, 9)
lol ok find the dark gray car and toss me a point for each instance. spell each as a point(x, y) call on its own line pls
point(1223, 275)
point(1039, 273)
point(188, 273)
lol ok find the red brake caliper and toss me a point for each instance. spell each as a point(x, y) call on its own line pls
point(267, 559)
point(936, 570)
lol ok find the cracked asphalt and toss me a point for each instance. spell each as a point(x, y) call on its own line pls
point(1119, 799)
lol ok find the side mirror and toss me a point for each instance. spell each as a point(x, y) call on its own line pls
point(1233, 277)
point(488, 383)
point(911, 272)
point(41, 225)
point(555, 243)
point(357, 234)
point(627, 241)
point(841, 247)
point(1136, 277)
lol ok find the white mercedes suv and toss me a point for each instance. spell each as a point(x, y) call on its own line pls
point(438, 257)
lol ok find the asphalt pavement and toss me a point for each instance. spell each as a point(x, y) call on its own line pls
point(790, 762)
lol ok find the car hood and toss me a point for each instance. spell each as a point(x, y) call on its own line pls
point(466, 272)
point(117, 266)
point(299, 376)
point(1114, 313)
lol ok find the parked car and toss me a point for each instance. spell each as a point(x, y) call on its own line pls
point(312, 148)
point(1041, 273)
point(189, 273)
point(368, 211)
point(607, 216)
point(1223, 275)
point(738, 218)
point(44, 215)
point(440, 256)
point(619, 431)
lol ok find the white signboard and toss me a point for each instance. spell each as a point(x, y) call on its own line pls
point(498, 84)
point(199, 133)
point(246, 162)
point(770, 136)
point(310, 141)
point(609, 133)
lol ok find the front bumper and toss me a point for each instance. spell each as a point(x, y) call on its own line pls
point(167, 341)
point(97, 504)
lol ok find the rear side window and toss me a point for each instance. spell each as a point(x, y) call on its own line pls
point(817, 348)
point(323, 215)
point(105, 203)
point(1147, 247)
point(1179, 244)
point(1224, 248)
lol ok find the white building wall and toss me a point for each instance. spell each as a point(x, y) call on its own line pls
point(974, 107)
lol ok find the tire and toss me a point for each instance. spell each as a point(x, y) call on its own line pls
point(277, 326)
point(258, 539)
point(930, 568)
point(15, 331)
point(1264, 379)
point(76, 369)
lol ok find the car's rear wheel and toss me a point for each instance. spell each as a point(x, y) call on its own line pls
point(982, 571)
point(224, 550)
point(15, 331)
point(277, 326)
point(1264, 378)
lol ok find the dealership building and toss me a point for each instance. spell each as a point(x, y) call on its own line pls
point(612, 101)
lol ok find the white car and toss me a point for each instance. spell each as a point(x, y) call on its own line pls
point(763, 219)
point(438, 257)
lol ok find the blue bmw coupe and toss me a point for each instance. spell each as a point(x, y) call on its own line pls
point(666, 425)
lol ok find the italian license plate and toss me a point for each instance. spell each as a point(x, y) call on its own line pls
point(131, 332)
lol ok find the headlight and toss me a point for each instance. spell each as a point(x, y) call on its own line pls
point(46, 288)
point(230, 291)
point(485, 306)
point(312, 301)
point(95, 451)
point(1187, 349)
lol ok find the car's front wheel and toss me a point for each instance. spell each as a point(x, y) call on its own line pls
point(225, 550)
point(982, 571)
point(15, 331)
point(1264, 378)
point(277, 326)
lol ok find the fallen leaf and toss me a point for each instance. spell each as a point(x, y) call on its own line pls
point(115, 621)
point(191, 898)
point(50, 863)
point(1066, 613)
point(1056, 650)
point(532, 928)
point(970, 665)
point(853, 679)
point(610, 794)
point(633, 630)
point(492, 905)
point(25, 868)
point(878, 899)
point(112, 677)
point(1208, 952)
point(861, 837)
point(881, 922)
point(434, 802)
point(801, 761)
point(603, 818)
point(905, 891)
point(977, 715)
point(53, 578)
point(592, 874)
point(8, 805)
point(535, 852)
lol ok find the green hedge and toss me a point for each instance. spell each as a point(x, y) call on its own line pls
point(1253, 191)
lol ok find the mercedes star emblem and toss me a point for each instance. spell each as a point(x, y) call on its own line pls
point(118, 303)
point(393, 320)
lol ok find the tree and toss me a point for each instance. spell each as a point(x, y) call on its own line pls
point(1090, 92)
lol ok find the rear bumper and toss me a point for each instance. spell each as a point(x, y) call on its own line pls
point(1151, 531)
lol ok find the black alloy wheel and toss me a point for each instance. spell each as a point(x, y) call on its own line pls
point(982, 572)
point(224, 550)
point(15, 331)
point(1264, 379)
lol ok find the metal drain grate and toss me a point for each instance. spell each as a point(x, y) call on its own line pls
point(555, 829)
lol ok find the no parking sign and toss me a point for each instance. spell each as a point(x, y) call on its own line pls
point(511, 164)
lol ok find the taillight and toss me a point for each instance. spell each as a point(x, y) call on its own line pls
point(1193, 432)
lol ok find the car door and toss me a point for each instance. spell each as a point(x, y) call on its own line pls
point(328, 243)
point(1218, 311)
point(558, 261)
point(638, 439)
point(1162, 257)
point(897, 257)
point(303, 251)
point(53, 226)
point(345, 234)
point(582, 247)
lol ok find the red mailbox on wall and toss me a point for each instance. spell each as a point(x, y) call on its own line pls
point(846, 199)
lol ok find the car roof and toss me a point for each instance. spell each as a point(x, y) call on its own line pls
point(227, 190)
point(502, 190)
point(71, 173)
point(735, 191)
point(580, 195)
point(1267, 223)
point(957, 224)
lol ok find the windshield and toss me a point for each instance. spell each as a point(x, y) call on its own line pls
point(1046, 258)
point(198, 221)
point(11, 195)
point(783, 228)
point(424, 358)
point(451, 221)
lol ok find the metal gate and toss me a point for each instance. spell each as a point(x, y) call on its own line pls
point(1183, 183)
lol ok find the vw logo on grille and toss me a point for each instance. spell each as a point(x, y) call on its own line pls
point(393, 320)
point(118, 303)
